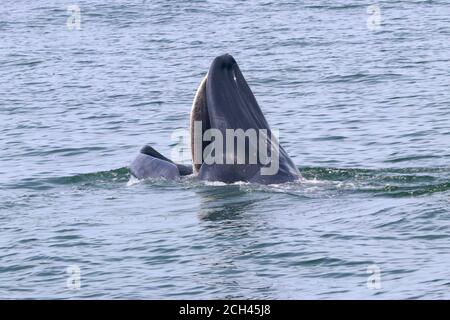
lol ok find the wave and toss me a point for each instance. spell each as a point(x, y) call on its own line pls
point(386, 182)
point(390, 182)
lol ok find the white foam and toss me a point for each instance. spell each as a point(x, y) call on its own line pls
point(133, 181)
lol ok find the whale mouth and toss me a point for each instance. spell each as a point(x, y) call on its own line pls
point(234, 141)
point(223, 101)
point(234, 133)
point(199, 113)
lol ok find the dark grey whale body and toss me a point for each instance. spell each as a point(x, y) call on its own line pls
point(151, 164)
point(223, 101)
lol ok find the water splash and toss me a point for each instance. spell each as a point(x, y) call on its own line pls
point(316, 181)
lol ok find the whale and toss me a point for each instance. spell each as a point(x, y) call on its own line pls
point(231, 140)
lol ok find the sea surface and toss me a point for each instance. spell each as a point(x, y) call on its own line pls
point(360, 92)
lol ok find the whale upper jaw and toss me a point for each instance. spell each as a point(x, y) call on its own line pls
point(225, 101)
